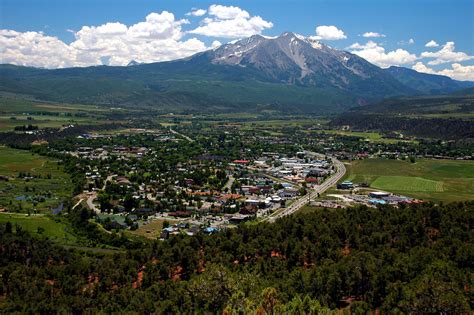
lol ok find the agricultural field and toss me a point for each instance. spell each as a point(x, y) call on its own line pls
point(18, 111)
point(437, 180)
point(18, 104)
point(30, 182)
point(41, 226)
point(369, 136)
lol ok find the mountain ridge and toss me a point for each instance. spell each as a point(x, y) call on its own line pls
point(287, 73)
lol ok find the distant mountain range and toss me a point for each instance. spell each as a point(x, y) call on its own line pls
point(286, 73)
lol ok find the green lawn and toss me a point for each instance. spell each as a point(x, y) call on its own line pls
point(437, 180)
point(41, 226)
point(48, 189)
point(404, 183)
point(371, 136)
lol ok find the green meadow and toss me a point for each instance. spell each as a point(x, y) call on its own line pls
point(369, 136)
point(42, 226)
point(18, 111)
point(437, 180)
point(45, 186)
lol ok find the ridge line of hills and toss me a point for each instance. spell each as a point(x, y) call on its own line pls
point(289, 73)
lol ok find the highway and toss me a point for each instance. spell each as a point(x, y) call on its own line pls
point(301, 202)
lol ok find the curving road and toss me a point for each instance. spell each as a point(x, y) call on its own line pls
point(93, 195)
point(180, 134)
point(301, 202)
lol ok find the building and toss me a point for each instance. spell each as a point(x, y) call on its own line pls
point(345, 185)
point(289, 193)
point(379, 194)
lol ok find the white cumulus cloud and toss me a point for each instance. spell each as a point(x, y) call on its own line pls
point(158, 38)
point(197, 12)
point(372, 34)
point(457, 71)
point(328, 32)
point(376, 54)
point(446, 54)
point(34, 49)
point(230, 22)
point(227, 12)
point(431, 43)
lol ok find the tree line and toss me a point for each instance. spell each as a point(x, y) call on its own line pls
point(409, 260)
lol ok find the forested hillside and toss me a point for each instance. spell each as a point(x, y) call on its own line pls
point(412, 260)
point(442, 117)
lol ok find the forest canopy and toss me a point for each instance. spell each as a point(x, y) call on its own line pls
point(408, 260)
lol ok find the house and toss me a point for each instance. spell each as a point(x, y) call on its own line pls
point(116, 225)
point(122, 180)
point(180, 214)
point(345, 185)
point(241, 162)
point(266, 189)
point(145, 211)
point(237, 219)
point(203, 195)
point(229, 197)
point(289, 193)
point(249, 209)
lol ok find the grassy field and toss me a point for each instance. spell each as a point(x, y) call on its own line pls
point(10, 103)
point(42, 226)
point(45, 188)
point(15, 110)
point(437, 180)
point(370, 136)
point(151, 230)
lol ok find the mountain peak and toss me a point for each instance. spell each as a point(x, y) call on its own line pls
point(133, 63)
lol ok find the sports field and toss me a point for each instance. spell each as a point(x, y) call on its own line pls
point(42, 184)
point(437, 180)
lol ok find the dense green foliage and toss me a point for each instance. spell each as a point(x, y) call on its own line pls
point(428, 128)
point(441, 117)
point(412, 260)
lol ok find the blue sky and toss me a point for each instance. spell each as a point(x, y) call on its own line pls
point(406, 26)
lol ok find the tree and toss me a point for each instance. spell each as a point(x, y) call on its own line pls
point(269, 300)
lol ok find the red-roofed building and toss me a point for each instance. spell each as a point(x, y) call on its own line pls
point(242, 162)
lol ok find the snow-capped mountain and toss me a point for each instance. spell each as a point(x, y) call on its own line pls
point(289, 72)
point(294, 59)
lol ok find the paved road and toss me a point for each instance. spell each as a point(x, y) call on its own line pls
point(229, 183)
point(301, 202)
point(180, 134)
point(93, 195)
point(90, 202)
point(80, 200)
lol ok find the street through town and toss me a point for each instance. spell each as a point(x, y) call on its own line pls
point(302, 201)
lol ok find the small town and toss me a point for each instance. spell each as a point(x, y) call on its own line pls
point(237, 157)
point(209, 193)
